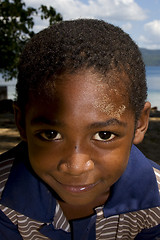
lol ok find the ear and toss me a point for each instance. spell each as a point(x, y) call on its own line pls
point(20, 121)
point(142, 124)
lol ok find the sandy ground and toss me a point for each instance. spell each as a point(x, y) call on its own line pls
point(9, 136)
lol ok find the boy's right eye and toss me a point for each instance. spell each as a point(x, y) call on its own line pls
point(50, 135)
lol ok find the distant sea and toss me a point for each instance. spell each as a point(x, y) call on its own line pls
point(153, 81)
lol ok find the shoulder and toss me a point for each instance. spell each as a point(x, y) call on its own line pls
point(7, 160)
point(156, 170)
point(157, 175)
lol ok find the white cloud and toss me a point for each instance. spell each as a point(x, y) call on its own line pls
point(148, 41)
point(112, 9)
point(153, 28)
point(103, 9)
point(151, 36)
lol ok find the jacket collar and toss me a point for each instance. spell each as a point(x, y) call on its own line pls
point(25, 192)
point(137, 188)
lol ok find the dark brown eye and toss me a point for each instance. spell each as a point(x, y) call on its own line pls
point(50, 135)
point(104, 136)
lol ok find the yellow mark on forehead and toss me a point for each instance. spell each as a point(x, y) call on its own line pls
point(104, 102)
point(109, 108)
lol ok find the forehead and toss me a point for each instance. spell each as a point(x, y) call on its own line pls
point(106, 94)
point(113, 82)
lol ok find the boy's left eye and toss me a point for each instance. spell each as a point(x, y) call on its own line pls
point(104, 136)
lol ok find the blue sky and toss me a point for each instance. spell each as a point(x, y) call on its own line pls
point(139, 18)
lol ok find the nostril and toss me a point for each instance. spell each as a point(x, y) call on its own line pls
point(62, 167)
point(90, 164)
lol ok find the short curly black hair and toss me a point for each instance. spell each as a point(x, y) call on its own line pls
point(74, 45)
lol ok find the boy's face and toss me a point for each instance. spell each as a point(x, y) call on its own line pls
point(79, 138)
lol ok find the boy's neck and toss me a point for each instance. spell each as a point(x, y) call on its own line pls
point(73, 212)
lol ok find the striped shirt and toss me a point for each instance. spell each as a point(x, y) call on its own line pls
point(29, 210)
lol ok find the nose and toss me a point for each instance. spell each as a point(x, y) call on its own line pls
point(76, 164)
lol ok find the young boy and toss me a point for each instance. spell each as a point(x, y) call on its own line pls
point(81, 106)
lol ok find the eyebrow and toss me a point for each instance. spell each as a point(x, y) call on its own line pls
point(112, 121)
point(42, 120)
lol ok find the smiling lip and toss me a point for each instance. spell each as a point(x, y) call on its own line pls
point(79, 188)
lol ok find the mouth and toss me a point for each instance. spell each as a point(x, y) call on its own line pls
point(79, 188)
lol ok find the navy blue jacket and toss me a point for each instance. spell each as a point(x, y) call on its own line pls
point(23, 193)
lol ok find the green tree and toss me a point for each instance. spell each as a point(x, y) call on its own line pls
point(16, 27)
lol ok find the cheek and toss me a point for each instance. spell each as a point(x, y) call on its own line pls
point(42, 160)
point(113, 164)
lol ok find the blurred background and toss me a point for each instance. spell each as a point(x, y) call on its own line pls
point(21, 19)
